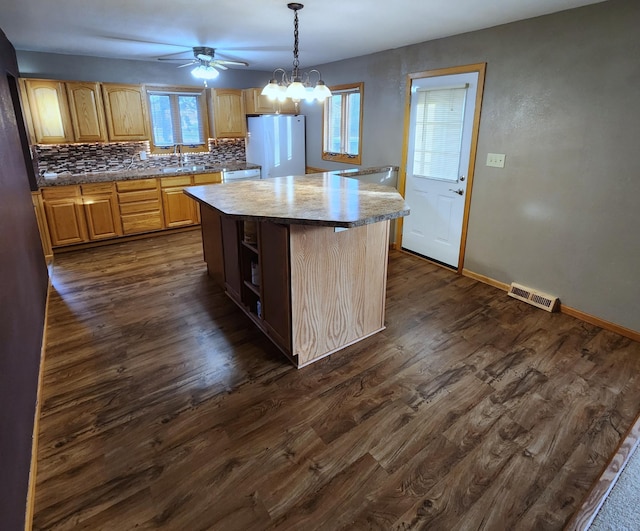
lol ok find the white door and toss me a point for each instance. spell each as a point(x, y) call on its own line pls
point(439, 146)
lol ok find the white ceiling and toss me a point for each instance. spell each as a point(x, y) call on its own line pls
point(257, 31)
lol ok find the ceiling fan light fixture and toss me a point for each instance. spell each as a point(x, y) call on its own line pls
point(205, 72)
point(295, 86)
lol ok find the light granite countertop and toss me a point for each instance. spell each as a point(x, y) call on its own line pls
point(317, 199)
point(67, 178)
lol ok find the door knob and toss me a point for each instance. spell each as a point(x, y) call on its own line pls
point(459, 191)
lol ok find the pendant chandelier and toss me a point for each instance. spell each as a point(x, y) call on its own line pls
point(296, 86)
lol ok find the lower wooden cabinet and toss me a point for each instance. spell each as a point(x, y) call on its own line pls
point(258, 281)
point(43, 227)
point(65, 215)
point(140, 205)
point(309, 302)
point(101, 210)
point(179, 209)
point(231, 255)
point(205, 178)
point(81, 213)
point(76, 214)
point(276, 304)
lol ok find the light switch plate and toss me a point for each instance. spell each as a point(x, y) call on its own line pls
point(496, 160)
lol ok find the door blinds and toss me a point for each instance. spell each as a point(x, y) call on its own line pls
point(438, 132)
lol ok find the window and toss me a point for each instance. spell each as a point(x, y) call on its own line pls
point(342, 138)
point(438, 132)
point(177, 117)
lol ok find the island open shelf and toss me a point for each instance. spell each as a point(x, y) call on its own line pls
point(314, 281)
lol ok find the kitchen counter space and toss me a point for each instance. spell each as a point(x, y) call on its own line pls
point(67, 178)
point(321, 199)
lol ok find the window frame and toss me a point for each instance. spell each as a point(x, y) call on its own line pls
point(343, 157)
point(202, 105)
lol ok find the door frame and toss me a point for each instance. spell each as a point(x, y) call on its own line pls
point(480, 68)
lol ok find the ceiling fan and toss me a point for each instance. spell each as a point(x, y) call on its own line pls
point(206, 65)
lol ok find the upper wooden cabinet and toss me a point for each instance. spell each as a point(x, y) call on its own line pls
point(227, 108)
point(47, 101)
point(87, 112)
point(256, 103)
point(126, 112)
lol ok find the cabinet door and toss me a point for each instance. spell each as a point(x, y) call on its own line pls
point(274, 261)
point(256, 103)
point(65, 215)
point(49, 111)
point(87, 112)
point(228, 113)
point(179, 209)
point(126, 112)
point(101, 210)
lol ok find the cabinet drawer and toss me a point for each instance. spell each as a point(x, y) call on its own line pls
point(208, 178)
point(171, 182)
point(97, 188)
point(140, 206)
point(134, 197)
point(140, 184)
point(56, 193)
point(146, 221)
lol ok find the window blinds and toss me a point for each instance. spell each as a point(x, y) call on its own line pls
point(438, 132)
point(176, 118)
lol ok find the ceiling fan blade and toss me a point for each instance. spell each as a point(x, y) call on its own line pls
point(233, 63)
point(205, 56)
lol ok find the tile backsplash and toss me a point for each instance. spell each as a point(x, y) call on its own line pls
point(83, 158)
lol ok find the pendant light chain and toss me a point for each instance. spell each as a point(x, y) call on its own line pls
point(296, 62)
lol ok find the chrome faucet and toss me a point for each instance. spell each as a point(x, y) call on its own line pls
point(177, 150)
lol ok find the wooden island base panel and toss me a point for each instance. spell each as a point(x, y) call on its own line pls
point(304, 257)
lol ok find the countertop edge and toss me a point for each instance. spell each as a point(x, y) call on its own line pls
point(284, 220)
point(70, 179)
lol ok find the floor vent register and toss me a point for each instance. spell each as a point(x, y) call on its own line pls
point(533, 297)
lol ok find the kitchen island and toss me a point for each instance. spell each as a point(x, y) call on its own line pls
point(305, 257)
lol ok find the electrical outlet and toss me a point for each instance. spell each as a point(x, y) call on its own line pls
point(495, 159)
point(143, 155)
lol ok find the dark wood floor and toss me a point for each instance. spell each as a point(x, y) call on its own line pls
point(164, 408)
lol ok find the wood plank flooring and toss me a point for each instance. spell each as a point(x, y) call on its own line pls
point(164, 408)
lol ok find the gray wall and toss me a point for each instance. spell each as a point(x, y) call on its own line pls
point(562, 101)
point(83, 68)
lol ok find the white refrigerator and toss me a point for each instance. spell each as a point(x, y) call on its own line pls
point(277, 143)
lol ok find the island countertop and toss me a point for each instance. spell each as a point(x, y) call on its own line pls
point(317, 199)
